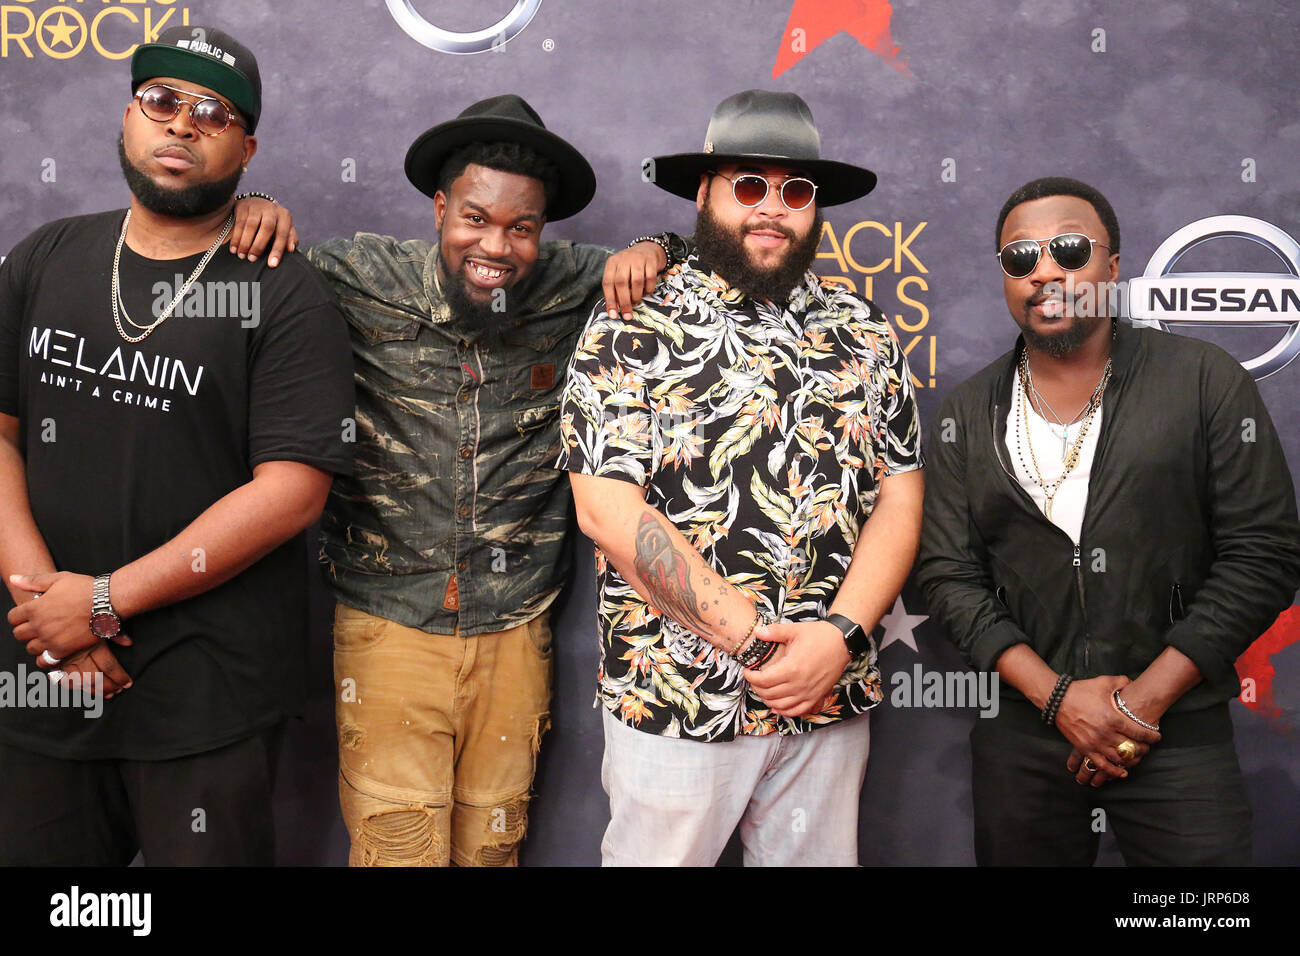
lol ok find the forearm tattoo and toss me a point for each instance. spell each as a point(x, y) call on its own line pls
point(667, 575)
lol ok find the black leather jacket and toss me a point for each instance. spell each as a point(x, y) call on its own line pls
point(1189, 538)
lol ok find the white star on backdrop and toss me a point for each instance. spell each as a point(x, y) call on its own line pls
point(899, 626)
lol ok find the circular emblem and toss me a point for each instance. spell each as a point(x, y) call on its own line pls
point(104, 625)
point(1169, 300)
point(449, 41)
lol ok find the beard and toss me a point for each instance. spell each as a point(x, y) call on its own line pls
point(1060, 343)
point(723, 251)
point(185, 202)
point(484, 318)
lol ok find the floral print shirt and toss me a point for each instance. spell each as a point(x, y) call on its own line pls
point(762, 432)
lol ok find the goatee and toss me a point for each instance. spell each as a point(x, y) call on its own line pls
point(723, 251)
point(1062, 343)
point(185, 202)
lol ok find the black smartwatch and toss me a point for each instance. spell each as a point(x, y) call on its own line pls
point(856, 639)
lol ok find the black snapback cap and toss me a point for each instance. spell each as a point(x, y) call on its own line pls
point(207, 56)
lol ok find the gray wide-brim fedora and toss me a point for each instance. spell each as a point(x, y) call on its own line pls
point(764, 127)
point(508, 119)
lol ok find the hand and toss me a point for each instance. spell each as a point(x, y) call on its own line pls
point(1085, 777)
point(630, 274)
point(1099, 777)
point(256, 221)
point(798, 679)
point(60, 621)
point(1089, 719)
point(97, 659)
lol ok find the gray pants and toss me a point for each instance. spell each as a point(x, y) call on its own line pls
point(1181, 806)
point(676, 802)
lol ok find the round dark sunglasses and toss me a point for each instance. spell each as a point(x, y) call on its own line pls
point(210, 116)
point(1071, 251)
point(750, 189)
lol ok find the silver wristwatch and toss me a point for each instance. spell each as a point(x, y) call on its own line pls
point(104, 622)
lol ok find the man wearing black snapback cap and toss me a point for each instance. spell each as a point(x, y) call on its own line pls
point(160, 454)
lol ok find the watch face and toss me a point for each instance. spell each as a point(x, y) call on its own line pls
point(105, 624)
point(857, 641)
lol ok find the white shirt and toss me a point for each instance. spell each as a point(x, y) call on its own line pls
point(1072, 496)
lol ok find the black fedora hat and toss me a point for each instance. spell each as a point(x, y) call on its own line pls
point(503, 119)
point(764, 127)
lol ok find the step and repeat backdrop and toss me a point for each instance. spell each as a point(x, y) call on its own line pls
point(1173, 110)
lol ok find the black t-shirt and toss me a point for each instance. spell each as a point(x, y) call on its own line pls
point(126, 444)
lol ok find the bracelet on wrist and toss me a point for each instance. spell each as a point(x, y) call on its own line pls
point(256, 195)
point(767, 656)
point(659, 241)
point(753, 649)
point(756, 653)
point(1053, 704)
point(1123, 709)
point(735, 648)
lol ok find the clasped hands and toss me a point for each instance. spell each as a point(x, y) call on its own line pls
point(1092, 722)
point(59, 624)
point(799, 677)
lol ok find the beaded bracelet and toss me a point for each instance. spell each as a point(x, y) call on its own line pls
point(771, 650)
point(1054, 701)
point(757, 652)
point(256, 195)
point(675, 248)
point(735, 648)
point(659, 241)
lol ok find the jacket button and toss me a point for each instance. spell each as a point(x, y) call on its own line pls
point(463, 510)
point(465, 453)
point(464, 396)
point(461, 566)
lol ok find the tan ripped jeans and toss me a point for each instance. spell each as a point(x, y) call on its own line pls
point(438, 739)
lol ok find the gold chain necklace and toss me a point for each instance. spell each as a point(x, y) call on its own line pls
point(1036, 397)
point(1072, 456)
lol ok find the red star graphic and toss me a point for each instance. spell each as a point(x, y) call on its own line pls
point(867, 20)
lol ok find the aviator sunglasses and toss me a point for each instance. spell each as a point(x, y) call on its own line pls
point(1071, 251)
point(210, 116)
point(750, 189)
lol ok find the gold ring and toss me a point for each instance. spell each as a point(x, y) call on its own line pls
point(1127, 749)
point(1089, 765)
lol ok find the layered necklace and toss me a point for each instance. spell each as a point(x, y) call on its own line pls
point(119, 306)
point(1069, 452)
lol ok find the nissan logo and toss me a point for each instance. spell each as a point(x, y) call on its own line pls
point(1167, 299)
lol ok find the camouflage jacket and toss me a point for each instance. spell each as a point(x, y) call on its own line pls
point(454, 520)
